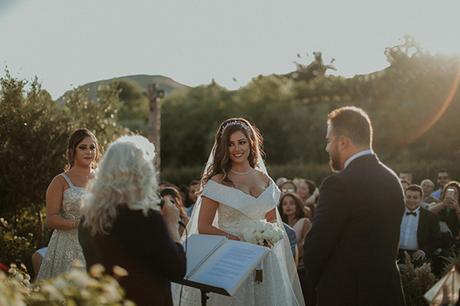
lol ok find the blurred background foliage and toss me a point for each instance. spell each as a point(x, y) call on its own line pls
point(402, 100)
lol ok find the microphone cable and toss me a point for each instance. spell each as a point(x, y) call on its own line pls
point(186, 249)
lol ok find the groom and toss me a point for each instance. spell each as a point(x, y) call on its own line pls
point(350, 252)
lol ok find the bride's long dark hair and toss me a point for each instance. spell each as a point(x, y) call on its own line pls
point(221, 157)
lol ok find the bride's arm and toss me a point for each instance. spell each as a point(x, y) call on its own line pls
point(207, 213)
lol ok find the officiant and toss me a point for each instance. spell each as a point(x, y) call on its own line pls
point(125, 227)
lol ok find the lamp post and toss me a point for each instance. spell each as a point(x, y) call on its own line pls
point(154, 95)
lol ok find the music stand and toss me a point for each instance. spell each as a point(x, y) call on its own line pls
point(204, 289)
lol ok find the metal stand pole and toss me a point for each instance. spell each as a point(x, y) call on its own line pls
point(204, 297)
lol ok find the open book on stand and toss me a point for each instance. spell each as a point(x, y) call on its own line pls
point(221, 263)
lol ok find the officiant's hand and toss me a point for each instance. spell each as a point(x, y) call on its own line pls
point(170, 212)
point(171, 216)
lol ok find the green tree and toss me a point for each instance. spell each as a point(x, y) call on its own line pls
point(403, 101)
point(33, 135)
point(134, 109)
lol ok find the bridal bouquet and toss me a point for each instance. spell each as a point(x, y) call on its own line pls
point(262, 233)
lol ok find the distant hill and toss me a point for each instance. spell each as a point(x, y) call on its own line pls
point(144, 80)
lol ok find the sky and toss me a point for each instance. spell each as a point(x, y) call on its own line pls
point(69, 43)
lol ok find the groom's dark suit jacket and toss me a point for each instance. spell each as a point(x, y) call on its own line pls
point(350, 252)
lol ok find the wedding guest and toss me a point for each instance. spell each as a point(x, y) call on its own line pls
point(404, 184)
point(164, 185)
point(303, 190)
point(448, 209)
point(407, 176)
point(292, 213)
point(288, 186)
point(193, 190)
point(280, 181)
point(63, 200)
point(192, 196)
point(124, 226)
point(428, 188)
point(443, 179)
point(290, 232)
point(420, 231)
point(183, 192)
point(307, 191)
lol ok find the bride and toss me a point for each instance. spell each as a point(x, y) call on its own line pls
point(236, 190)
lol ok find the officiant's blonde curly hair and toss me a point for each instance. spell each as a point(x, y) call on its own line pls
point(125, 177)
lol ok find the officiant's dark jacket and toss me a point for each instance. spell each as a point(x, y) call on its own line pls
point(140, 244)
point(350, 252)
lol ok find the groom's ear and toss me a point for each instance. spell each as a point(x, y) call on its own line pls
point(344, 142)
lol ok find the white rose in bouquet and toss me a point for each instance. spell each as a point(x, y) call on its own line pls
point(262, 233)
point(248, 235)
point(260, 226)
point(268, 234)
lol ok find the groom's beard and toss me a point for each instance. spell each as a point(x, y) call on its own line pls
point(334, 161)
point(334, 165)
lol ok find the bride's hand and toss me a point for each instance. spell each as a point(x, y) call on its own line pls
point(271, 216)
point(232, 237)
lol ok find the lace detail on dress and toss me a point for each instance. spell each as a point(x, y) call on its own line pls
point(71, 202)
point(231, 220)
point(64, 247)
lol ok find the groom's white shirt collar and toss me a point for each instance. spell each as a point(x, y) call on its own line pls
point(356, 155)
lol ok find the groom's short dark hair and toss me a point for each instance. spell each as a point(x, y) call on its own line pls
point(353, 122)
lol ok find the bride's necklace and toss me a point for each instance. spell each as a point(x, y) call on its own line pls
point(240, 173)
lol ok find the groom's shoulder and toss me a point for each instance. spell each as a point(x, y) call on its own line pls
point(334, 179)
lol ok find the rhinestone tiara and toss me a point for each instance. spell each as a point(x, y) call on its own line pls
point(235, 122)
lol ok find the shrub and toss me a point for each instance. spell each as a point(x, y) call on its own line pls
point(75, 287)
point(22, 233)
point(416, 281)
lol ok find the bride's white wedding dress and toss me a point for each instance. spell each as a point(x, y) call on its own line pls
point(280, 285)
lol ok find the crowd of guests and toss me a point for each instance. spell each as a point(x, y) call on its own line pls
point(430, 226)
